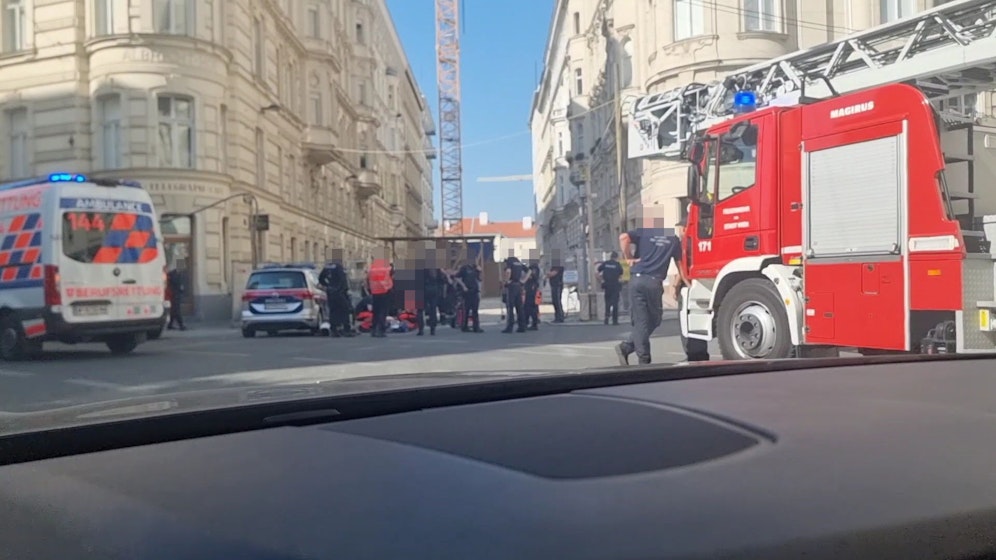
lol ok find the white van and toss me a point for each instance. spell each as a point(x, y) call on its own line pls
point(80, 261)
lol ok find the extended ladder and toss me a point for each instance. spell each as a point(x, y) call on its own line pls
point(948, 51)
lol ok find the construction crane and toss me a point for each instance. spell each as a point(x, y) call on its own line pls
point(448, 85)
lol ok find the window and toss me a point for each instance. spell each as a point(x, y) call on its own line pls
point(280, 169)
point(359, 34)
point(891, 10)
point(176, 131)
point(689, 19)
point(103, 17)
point(363, 93)
point(173, 17)
point(17, 125)
point(737, 164)
point(314, 23)
point(89, 237)
point(109, 113)
point(316, 109)
point(260, 159)
point(560, 144)
point(15, 26)
point(577, 23)
point(259, 47)
point(762, 15)
point(578, 82)
point(277, 280)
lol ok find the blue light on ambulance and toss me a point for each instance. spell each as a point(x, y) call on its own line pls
point(744, 101)
point(66, 178)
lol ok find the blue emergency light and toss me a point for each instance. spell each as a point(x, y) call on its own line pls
point(66, 178)
point(744, 101)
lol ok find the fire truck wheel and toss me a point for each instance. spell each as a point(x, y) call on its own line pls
point(752, 323)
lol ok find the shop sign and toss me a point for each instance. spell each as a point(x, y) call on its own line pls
point(180, 187)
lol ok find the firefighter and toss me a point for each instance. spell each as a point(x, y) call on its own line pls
point(650, 251)
point(380, 284)
point(610, 272)
point(333, 278)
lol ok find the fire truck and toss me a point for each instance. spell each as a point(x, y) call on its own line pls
point(832, 196)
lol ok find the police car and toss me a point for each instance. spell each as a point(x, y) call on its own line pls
point(80, 261)
point(283, 297)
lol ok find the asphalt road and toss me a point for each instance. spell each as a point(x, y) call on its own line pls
point(218, 357)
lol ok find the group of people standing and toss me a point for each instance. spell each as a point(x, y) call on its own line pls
point(431, 293)
point(521, 292)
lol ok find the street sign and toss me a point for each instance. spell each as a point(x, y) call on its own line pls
point(262, 222)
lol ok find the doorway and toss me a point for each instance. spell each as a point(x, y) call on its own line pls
point(178, 244)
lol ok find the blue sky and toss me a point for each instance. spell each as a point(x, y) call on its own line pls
point(502, 45)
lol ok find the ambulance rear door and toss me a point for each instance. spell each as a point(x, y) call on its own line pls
point(109, 254)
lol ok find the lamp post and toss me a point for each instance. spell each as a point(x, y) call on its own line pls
point(253, 203)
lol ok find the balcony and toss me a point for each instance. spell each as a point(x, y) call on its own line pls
point(319, 144)
point(367, 184)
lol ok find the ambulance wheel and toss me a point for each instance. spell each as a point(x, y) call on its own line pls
point(752, 324)
point(13, 344)
point(120, 344)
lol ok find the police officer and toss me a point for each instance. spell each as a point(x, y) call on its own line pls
point(433, 294)
point(650, 251)
point(469, 277)
point(515, 275)
point(532, 286)
point(610, 272)
point(333, 278)
point(555, 278)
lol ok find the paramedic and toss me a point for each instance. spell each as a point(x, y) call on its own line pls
point(380, 283)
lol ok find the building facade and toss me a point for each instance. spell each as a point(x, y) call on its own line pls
point(603, 54)
point(303, 111)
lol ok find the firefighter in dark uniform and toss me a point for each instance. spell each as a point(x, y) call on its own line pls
point(656, 248)
point(515, 275)
point(610, 272)
point(532, 286)
point(333, 278)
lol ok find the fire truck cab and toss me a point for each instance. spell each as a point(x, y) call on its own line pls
point(828, 225)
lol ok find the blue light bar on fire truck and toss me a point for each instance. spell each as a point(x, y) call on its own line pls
point(744, 101)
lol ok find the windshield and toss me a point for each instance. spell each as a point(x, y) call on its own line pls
point(202, 200)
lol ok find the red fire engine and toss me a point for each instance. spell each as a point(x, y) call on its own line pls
point(825, 222)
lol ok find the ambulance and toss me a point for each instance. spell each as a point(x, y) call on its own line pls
point(81, 260)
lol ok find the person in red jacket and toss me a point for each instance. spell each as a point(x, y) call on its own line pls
point(380, 283)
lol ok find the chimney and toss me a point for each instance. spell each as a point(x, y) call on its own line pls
point(483, 218)
point(527, 223)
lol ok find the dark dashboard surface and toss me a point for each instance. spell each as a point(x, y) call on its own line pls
point(874, 461)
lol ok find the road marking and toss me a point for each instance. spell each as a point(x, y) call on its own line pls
point(320, 360)
point(214, 353)
point(14, 373)
point(97, 384)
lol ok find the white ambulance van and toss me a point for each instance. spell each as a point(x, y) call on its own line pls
point(80, 261)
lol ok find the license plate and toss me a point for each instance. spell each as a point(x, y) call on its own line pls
point(271, 306)
point(89, 310)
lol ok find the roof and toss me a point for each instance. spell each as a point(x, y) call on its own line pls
point(473, 226)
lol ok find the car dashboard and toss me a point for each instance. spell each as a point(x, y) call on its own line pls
point(880, 460)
